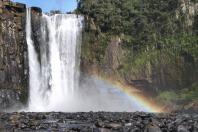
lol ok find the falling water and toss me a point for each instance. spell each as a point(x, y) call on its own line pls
point(34, 67)
point(61, 35)
point(55, 78)
point(54, 72)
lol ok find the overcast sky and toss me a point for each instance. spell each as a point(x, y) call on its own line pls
point(47, 5)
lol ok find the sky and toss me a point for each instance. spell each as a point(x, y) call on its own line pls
point(47, 5)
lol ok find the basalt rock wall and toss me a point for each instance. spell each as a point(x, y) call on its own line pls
point(14, 54)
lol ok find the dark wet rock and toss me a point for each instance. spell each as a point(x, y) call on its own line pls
point(20, 5)
point(9, 98)
point(152, 128)
point(182, 128)
point(36, 10)
point(97, 122)
point(13, 78)
point(113, 125)
point(104, 130)
point(195, 129)
point(13, 53)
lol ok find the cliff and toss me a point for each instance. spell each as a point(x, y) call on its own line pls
point(13, 53)
point(13, 58)
point(151, 45)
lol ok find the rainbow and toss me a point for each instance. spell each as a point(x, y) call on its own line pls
point(146, 104)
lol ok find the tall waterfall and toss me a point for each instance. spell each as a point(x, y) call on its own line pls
point(54, 78)
point(34, 66)
point(54, 71)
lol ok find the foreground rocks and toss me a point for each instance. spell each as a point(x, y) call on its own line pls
point(98, 122)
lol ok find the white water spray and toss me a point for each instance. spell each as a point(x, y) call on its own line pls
point(54, 80)
point(34, 67)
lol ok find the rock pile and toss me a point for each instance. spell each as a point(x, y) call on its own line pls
point(98, 122)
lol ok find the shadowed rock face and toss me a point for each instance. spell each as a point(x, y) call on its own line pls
point(13, 53)
point(98, 122)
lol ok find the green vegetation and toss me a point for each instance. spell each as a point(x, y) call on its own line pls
point(159, 41)
point(9, 3)
point(167, 96)
point(182, 96)
point(190, 94)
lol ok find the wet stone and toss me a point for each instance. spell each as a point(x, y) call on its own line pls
point(182, 128)
point(152, 128)
point(97, 122)
point(113, 125)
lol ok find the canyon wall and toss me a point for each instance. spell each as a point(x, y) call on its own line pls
point(151, 45)
point(13, 53)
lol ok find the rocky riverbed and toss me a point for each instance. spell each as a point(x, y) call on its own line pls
point(98, 122)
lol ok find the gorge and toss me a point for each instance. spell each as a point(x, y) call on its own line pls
point(35, 51)
point(108, 66)
point(54, 71)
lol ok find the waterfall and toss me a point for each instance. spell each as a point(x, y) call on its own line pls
point(54, 71)
point(54, 79)
point(34, 66)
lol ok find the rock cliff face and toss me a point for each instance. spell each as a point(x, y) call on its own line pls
point(13, 58)
point(151, 45)
point(13, 53)
point(148, 44)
